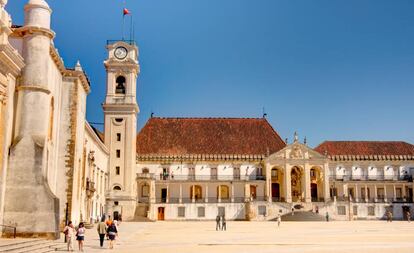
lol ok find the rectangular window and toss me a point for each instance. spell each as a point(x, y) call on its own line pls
point(201, 212)
point(118, 153)
point(118, 137)
point(262, 210)
point(181, 211)
point(341, 210)
point(371, 211)
point(355, 210)
point(145, 191)
point(398, 193)
point(117, 170)
point(221, 210)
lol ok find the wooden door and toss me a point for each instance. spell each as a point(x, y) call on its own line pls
point(253, 191)
point(275, 190)
point(161, 211)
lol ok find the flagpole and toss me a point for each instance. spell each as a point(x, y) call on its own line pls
point(123, 26)
point(130, 29)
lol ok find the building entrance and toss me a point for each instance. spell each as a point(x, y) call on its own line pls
point(161, 212)
point(275, 192)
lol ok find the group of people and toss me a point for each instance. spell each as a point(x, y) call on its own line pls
point(106, 228)
point(221, 223)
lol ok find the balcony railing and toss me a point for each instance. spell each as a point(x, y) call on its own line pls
point(371, 177)
point(166, 177)
point(203, 200)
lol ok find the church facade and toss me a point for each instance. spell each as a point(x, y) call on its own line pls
point(59, 168)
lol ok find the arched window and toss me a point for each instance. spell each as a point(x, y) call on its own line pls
point(196, 192)
point(120, 87)
point(224, 192)
point(117, 188)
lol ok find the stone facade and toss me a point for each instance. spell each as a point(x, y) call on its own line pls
point(44, 137)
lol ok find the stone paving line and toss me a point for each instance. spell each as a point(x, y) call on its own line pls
point(200, 237)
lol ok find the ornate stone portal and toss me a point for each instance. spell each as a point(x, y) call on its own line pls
point(299, 172)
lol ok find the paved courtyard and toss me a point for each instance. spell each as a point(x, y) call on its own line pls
point(198, 237)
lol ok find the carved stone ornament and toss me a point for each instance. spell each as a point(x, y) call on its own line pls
point(296, 153)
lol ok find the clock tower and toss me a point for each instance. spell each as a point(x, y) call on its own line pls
point(121, 109)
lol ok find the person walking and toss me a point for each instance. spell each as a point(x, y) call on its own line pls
point(101, 231)
point(408, 216)
point(279, 220)
point(218, 227)
point(108, 223)
point(112, 233)
point(80, 236)
point(223, 223)
point(327, 217)
point(69, 232)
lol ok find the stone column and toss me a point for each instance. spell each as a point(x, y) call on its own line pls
point(219, 194)
point(385, 193)
point(394, 192)
point(206, 195)
point(287, 185)
point(152, 192)
point(268, 186)
point(247, 192)
point(366, 193)
point(345, 190)
point(232, 193)
point(168, 194)
point(180, 200)
point(308, 196)
point(193, 193)
point(326, 182)
point(403, 193)
point(375, 193)
point(356, 193)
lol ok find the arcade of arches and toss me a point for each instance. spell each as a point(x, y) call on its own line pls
point(297, 184)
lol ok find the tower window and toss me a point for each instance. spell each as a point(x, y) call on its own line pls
point(119, 120)
point(117, 170)
point(120, 87)
point(118, 153)
point(118, 137)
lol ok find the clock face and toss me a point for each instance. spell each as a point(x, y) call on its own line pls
point(121, 53)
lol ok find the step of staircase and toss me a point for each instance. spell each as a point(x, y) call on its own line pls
point(303, 216)
point(30, 245)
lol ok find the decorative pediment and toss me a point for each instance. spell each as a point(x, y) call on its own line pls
point(296, 151)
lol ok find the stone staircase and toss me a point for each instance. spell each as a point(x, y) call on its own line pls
point(31, 245)
point(303, 216)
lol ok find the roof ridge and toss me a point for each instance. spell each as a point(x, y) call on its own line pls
point(208, 118)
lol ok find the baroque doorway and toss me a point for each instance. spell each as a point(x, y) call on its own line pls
point(296, 184)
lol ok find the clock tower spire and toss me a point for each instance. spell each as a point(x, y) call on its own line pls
point(121, 110)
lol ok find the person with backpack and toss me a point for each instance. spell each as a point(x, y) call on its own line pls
point(69, 232)
point(112, 232)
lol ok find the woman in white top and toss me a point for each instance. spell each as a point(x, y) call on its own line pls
point(80, 235)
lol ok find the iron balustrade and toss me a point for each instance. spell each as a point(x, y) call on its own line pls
point(171, 177)
point(207, 200)
point(371, 178)
point(130, 42)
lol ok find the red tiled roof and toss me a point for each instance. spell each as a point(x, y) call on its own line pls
point(365, 148)
point(179, 136)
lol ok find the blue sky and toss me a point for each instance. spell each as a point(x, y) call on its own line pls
point(329, 69)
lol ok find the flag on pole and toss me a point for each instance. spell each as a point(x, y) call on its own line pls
point(126, 12)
